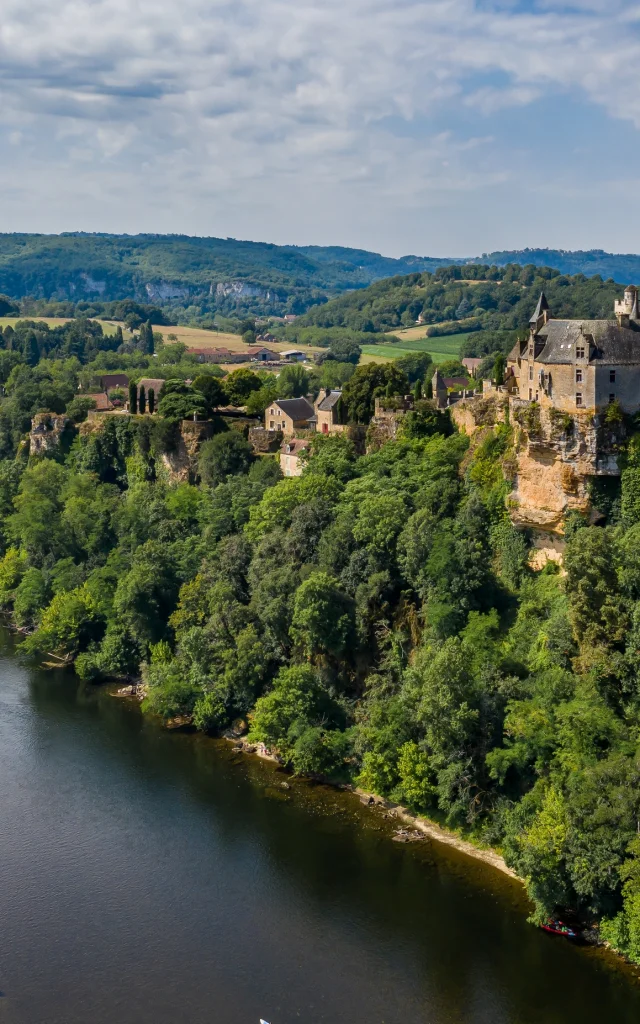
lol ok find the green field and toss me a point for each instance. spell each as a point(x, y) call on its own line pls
point(53, 321)
point(440, 349)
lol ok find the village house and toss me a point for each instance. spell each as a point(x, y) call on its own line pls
point(289, 415)
point(290, 452)
point(471, 365)
point(150, 384)
point(218, 355)
point(293, 355)
point(572, 365)
point(108, 381)
point(447, 390)
point(329, 412)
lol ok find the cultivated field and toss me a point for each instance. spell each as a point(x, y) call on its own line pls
point(440, 349)
point(53, 321)
point(196, 337)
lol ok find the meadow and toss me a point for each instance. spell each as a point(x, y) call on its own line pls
point(414, 340)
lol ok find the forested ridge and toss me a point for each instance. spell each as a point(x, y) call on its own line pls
point(192, 279)
point(373, 620)
point(469, 298)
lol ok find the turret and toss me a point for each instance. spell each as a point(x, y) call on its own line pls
point(627, 309)
point(541, 316)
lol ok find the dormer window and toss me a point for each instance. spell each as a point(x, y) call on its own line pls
point(579, 352)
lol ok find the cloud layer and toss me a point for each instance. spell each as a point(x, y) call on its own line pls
point(292, 121)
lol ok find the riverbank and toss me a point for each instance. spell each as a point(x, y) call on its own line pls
point(424, 825)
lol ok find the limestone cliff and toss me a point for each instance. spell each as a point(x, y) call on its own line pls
point(555, 456)
point(46, 432)
point(181, 464)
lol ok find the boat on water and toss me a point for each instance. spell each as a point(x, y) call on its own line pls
point(555, 927)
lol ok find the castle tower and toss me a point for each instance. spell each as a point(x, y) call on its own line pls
point(542, 314)
point(627, 308)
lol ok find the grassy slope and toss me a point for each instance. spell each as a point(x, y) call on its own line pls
point(414, 340)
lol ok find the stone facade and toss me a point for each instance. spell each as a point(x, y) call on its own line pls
point(580, 365)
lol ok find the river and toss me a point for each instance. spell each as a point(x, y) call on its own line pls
point(149, 877)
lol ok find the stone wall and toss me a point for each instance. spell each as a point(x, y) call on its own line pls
point(482, 411)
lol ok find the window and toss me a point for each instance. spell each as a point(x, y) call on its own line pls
point(530, 394)
point(578, 398)
point(612, 399)
point(579, 352)
point(531, 373)
point(578, 376)
point(272, 425)
point(612, 376)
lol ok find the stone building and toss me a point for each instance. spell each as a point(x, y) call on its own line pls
point(329, 412)
point(290, 452)
point(573, 365)
point(289, 415)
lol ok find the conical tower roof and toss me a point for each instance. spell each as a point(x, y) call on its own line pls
point(543, 306)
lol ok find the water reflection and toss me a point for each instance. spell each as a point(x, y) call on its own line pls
point(149, 876)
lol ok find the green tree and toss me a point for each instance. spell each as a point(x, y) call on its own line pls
point(368, 382)
point(225, 455)
point(133, 398)
point(323, 617)
point(240, 384)
point(142, 401)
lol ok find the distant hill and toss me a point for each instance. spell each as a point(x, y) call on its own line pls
point(194, 278)
point(623, 268)
point(472, 297)
point(214, 274)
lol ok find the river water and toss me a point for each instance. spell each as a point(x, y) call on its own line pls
point(149, 877)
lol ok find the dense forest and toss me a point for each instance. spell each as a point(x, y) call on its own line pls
point(187, 276)
point(192, 279)
point(471, 298)
point(374, 620)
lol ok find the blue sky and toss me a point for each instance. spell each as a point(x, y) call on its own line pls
point(439, 127)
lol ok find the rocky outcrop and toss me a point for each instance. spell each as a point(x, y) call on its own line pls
point(46, 432)
point(181, 464)
point(556, 454)
point(161, 291)
point(239, 290)
point(482, 411)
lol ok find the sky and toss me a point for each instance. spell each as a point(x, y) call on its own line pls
point(437, 127)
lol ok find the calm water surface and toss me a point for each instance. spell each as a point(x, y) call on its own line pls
point(156, 878)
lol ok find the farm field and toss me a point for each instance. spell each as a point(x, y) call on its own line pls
point(440, 349)
point(53, 321)
point(196, 337)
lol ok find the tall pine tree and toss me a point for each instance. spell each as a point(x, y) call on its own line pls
point(133, 398)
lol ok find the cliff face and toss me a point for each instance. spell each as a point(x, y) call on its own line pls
point(556, 456)
point(46, 432)
point(181, 464)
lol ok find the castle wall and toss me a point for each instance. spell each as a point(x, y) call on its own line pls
point(626, 387)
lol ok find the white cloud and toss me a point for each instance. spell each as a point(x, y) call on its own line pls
point(211, 106)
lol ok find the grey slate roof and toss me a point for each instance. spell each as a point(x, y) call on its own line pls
point(296, 408)
point(329, 401)
point(606, 341)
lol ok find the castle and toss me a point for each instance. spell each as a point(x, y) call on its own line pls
point(573, 365)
